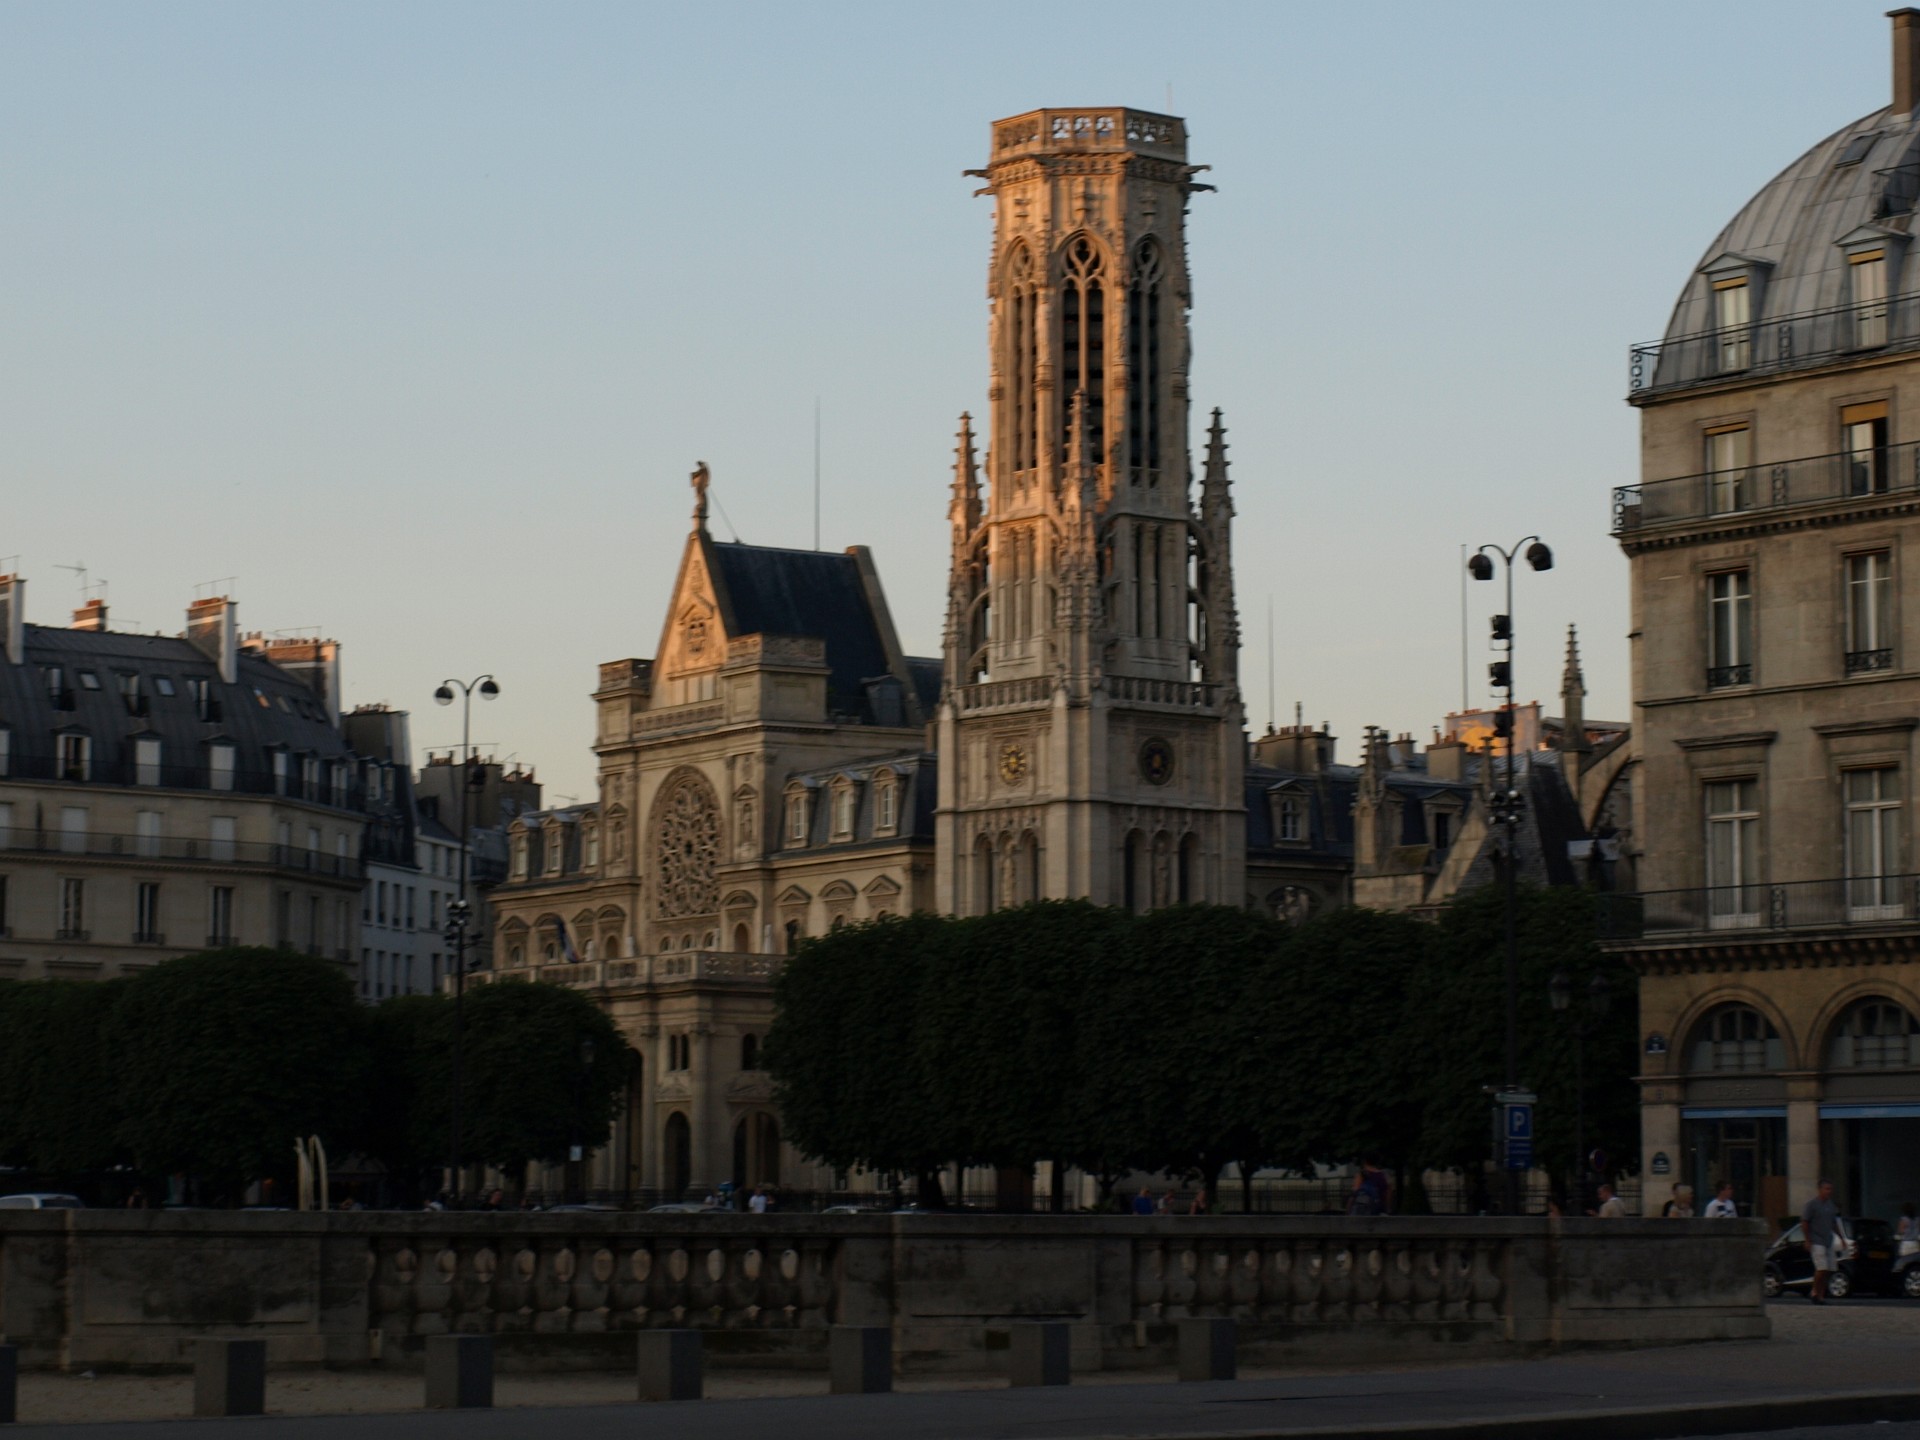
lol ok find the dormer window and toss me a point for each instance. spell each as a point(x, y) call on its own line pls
point(591, 845)
point(846, 801)
point(220, 765)
point(1290, 826)
point(89, 680)
point(886, 802)
point(520, 856)
point(278, 761)
point(163, 684)
point(146, 759)
point(1733, 322)
point(1867, 280)
point(130, 694)
point(798, 807)
point(75, 754)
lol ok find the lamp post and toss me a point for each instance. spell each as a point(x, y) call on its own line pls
point(1599, 1001)
point(1507, 803)
point(460, 912)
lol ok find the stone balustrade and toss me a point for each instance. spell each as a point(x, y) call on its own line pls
point(94, 1289)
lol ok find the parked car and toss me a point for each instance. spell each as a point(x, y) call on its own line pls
point(683, 1209)
point(1867, 1262)
point(41, 1200)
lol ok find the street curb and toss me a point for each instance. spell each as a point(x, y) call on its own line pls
point(1654, 1422)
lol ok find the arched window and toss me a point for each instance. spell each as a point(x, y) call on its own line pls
point(1877, 1034)
point(1083, 338)
point(749, 1052)
point(1143, 365)
point(517, 956)
point(1022, 362)
point(742, 938)
point(1736, 1037)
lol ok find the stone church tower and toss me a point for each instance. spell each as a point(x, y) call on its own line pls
point(1090, 726)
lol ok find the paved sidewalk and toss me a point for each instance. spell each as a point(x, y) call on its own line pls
point(1746, 1386)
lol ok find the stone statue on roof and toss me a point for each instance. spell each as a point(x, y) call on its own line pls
point(702, 477)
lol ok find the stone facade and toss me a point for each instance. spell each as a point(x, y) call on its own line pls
point(1776, 696)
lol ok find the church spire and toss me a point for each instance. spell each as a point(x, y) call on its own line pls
point(964, 511)
point(1573, 707)
point(1222, 647)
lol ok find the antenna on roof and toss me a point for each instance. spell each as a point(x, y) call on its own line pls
point(1463, 630)
point(80, 570)
point(208, 589)
point(816, 472)
point(1273, 715)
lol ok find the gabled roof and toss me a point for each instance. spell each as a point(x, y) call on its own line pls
point(815, 593)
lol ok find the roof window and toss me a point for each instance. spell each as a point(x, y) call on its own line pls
point(89, 680)
point(164, 684)
point(1857, 149)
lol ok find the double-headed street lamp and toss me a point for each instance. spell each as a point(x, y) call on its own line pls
point(1507, 804)
point(1599, 1001)
point(460, 912)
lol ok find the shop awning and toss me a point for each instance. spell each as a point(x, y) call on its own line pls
point(1870, 1112)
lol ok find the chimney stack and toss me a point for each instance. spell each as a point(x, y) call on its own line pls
point(212, 624)
point(90, 616)
point(1906, 59)
point(317, 664)
point(13, 618)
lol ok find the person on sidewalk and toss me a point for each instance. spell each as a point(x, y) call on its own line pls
point(1612, 1207)
point(1721, 1207)
point(1820, 1222)
point(1680, 1207)
point(1143, 1202)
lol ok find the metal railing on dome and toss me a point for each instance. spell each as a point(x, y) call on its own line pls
point(1774, 344)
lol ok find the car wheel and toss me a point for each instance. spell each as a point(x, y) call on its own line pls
point(1910, 1283)
point(1771, 1284)
point(1839, 1286)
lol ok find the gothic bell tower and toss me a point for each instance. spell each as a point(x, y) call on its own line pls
point(1090, 726)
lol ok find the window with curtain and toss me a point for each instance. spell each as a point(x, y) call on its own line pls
point(1730, 629)
point(1729, 472)
point(1873, 842)
point(1733, 319)
point(1864, 435)
point(1869, 612)
point(1733, 852)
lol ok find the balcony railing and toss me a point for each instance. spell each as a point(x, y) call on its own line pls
point(1720, 677)
point(1783, 485)
point(176, 849)
point(1835, 904)
point(1774, 344)
point(1865, 662)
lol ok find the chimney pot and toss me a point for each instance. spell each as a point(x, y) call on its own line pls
point(90, 616)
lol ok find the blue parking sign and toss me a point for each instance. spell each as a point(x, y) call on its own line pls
point(1518, 1130)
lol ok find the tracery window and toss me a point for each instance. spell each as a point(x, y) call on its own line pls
point(1023, 361)
point(686, 839)
point(1083, 338)
point(1143, 365)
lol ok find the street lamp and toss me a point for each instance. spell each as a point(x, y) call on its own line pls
point(1599, 1001)
point(460, 912)
point(1507, 803)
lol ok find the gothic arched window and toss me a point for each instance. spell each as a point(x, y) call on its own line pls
point(1023, 361)
point(1876, 1034)
point(1735, 1037)
point(686, 839)
point(1083, 338)
point(1144, 365)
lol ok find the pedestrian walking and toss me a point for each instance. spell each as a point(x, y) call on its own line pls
point(1612, 1207)
point(1721, 1207)
point(1372, 1190)
point(1143, 1202)
point(1820, 1224)
point(758, 1204)
point(1680, 1207)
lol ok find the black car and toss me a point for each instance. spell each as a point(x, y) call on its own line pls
point(1868, 1256)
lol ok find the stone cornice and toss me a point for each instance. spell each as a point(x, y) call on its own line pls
point(1726, 742)
point(1733, 953)
point(1869, 727)
point(1767, 522)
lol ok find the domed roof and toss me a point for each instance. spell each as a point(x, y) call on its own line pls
point(1859, 181)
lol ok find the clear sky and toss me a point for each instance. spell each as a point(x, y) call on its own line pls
point(414, 318)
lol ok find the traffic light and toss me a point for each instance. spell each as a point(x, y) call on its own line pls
point(1503, 723)
point(1503, 627)
point(1500, 675)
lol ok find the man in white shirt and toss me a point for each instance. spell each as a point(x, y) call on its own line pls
point(1721, 1207)
point(758, 1204)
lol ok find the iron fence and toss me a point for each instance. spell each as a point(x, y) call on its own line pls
point(1848, 901)
point(1780, 485)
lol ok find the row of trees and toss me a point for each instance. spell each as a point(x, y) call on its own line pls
point(212, 1064)
point(1188, 1039)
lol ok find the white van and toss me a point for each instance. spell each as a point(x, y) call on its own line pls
point(41, 1200)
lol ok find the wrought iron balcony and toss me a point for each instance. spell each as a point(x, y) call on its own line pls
point(1720, 677)
point(1782, 485)
point(148, 937)
point(1835, 904)
point(1864, 662)
point(179, 849)
point(1774, 344)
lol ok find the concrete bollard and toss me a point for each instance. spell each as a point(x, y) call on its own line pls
point(860, 1358)
point(1040, 1354)
point(229, 1377)
point(9, 1384)
point(1207, 1349)
point(459, 1372)
point(670, 1362)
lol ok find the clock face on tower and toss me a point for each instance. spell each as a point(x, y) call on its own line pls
point(1013, 763)
point(1156, 761)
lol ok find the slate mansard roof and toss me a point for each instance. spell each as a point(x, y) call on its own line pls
point(265, 708)
point(762, 590)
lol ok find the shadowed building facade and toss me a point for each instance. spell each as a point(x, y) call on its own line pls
point(1777, 685)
